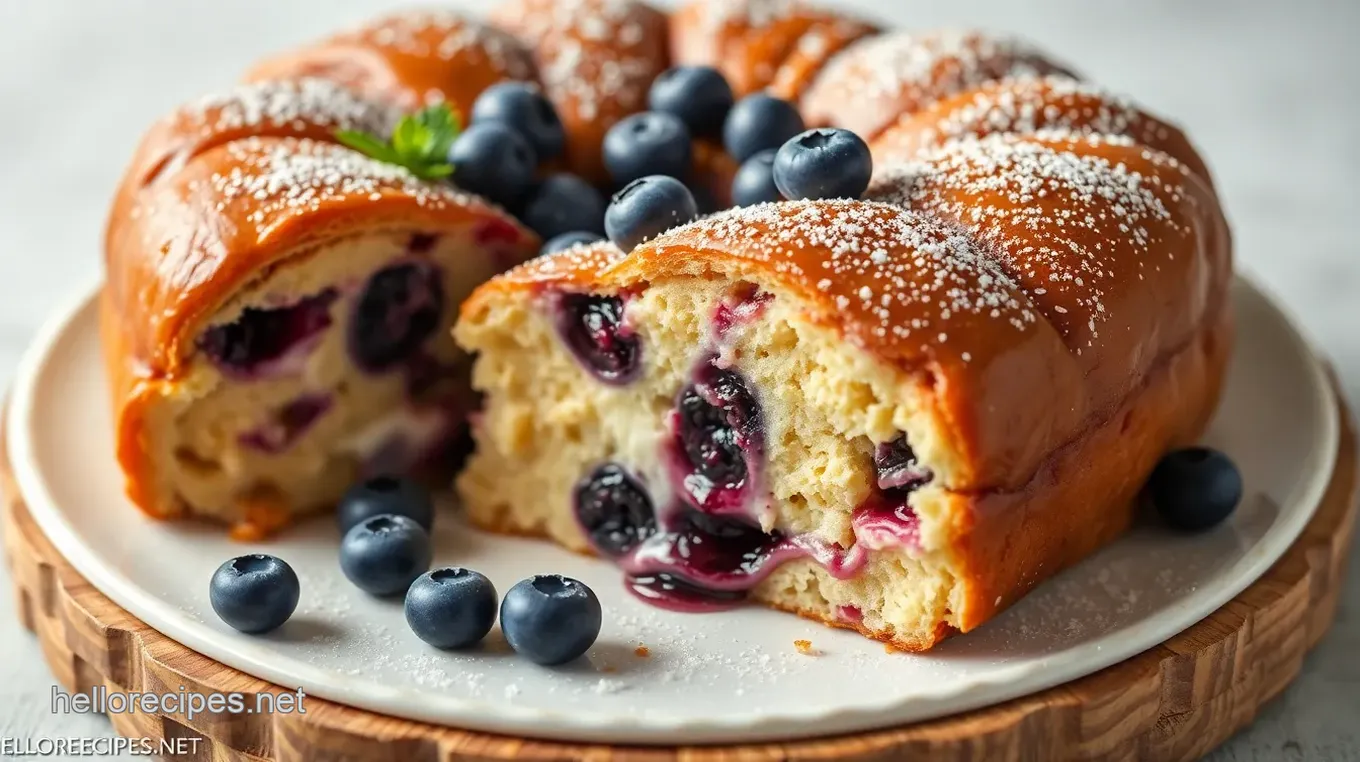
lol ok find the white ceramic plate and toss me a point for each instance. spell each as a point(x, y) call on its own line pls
point(716, 677)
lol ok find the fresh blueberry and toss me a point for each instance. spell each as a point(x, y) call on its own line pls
point(698, 95)
point(614, 509)
point(646, 208)
point(650, 143)
point(567, 240)
point(383, 555)
point(383, 495)
point(493, 160)
point(398, 309)
point(823, 163)
point(523, 107)
point(254, 594)
point(754, 181)
point(451, 607)
point(248, 345)
point(564, 203)
point(1195, 488)
point(550, 619)
point(759, 122)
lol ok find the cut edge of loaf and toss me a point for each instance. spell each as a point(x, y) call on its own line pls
point(208, 445)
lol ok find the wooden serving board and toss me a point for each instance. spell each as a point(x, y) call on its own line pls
point(1173, 702)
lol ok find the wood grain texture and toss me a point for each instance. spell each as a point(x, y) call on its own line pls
point(1176, 701)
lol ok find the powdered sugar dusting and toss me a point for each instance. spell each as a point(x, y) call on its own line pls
point(299, 103)
point(926, 67)
point(1054, 103)
point(903, 276)
point(298, 175)
point(593, 54)
point(715, 14)
point(446, 35)
point(1056, 216)
point(583, 261)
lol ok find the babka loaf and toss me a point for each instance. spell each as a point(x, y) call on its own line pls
point(894, 414)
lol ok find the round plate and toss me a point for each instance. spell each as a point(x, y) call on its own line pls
point(735, 676)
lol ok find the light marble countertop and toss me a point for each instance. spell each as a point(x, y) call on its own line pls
point(1267, 90)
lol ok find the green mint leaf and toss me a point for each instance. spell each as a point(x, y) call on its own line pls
point(434, 171)
point(408, 139)
point(420, 142)
point(441, 127)
point(368, 145)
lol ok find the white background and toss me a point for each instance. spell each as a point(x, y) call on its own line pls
point(1268, 91)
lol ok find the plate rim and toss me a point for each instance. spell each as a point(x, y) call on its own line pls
point(483, 715)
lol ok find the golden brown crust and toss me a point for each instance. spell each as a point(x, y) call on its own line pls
point(410, 59)
point(758, 44)
point(596, 59)
point(1120, 249)
point(877, 80)
point(1028, 105)
point(300, 108)
point(1017, 539)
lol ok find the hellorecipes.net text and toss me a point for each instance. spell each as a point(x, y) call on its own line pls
point(182, 703)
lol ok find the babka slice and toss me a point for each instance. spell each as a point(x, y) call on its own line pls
point(892, 415)
point(276, 324)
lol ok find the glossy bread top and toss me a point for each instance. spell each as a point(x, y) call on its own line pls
point(876, 80)
point(758, 44)
point(301, 108)
point(410, 59)
point(1028, 105)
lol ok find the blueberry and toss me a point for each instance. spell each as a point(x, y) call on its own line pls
point(650, 143)
point(550, 619)
point(523, 107)
point(698, 95)
point(759, 122)
point(383, 495)
point(754, 181)
point(254, 594)
point(451, 607)
point(564, 203)
point(567, 240)
point(247, 345)
point(1195, 488)
point(399, 308)
point(823, 163)
point(614, 509)
point(493, 160)
point(646, 208)
point(383, 555)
